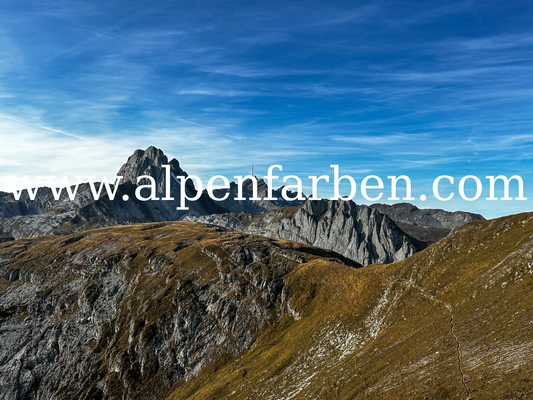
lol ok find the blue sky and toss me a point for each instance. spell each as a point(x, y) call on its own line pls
point(422, 88)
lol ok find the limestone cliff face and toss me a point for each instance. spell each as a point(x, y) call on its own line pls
point(355, 231)
point(150, 162)
point(127, 312)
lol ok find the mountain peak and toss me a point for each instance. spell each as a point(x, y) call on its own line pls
point(150, 162)
point(143, 162)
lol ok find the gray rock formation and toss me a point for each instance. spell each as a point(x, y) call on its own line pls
point(427, 225)
point(9, 207)
point(355, 231)
point(44, 202)
point(25, 226)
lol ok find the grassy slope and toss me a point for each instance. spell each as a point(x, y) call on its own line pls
point(461, 309)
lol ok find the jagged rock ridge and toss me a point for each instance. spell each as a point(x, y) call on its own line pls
point(358, 232)
point(355, 231)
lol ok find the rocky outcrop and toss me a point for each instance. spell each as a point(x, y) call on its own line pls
point(128, 312)
point(44, 202)
point(355, 231)
point(25, 226)
point(427, 225)
point(9, 207)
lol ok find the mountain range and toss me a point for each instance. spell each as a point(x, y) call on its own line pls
point(366, 235)
point(108, 299)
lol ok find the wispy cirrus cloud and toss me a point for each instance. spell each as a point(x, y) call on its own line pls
point(218, 92)
point(492, 44)
point(376, 140)
point(373, 86)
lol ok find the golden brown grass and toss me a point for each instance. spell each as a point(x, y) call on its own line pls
point(462, 308)
point(481, 276)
